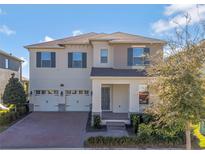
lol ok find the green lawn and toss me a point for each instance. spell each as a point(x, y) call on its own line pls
point(200, 137)
point(2, 128)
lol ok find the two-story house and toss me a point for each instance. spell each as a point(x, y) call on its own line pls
point(104, 73)
point(8, 64)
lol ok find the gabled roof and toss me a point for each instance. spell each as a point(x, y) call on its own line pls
point(111, 72)
point(80, 39)
point(118, 37)
point(9, 55)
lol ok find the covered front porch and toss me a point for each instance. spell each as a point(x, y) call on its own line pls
point(114, 99)
point(109, 115)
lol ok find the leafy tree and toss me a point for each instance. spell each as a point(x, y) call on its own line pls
point(179, 83)
point(14, 92)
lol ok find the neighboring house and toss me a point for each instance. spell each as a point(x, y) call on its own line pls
point(104, 73)
point(25, 83)
point(8, 64)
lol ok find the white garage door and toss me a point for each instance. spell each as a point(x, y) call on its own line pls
point(78, 100)
point(46, 101)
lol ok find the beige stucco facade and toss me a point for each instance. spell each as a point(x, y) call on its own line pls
point(13, 66)
point(124, 90)
point(52, 78)
point(120, 56)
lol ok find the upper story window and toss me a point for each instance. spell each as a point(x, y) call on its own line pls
point(77, 60)
point(6, 63)
point(138, 56)
point(45, 59)
point(104, 55)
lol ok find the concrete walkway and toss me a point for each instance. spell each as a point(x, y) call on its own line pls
point(46, 130)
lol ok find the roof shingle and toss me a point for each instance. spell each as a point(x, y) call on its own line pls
point(10, 55)
point(111, 72)
point(118, 37)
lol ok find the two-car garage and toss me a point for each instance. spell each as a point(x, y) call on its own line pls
point(66, 100)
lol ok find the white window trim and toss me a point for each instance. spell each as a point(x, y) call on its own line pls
point(107, 55)
point(6, 63)
point(46, 60)
point(111, 97)
point(74, 60)
point(143, 56)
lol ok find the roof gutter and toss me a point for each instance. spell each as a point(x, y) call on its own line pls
point(120, 77)
point(9, 55)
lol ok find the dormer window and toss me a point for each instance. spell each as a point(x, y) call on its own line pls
point(104, 55)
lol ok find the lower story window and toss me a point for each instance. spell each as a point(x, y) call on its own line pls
point(55, 92)
point(77, 92)
point(68, 92)
point(86, 92)
point(74, 91)
point(37, 92)
point(144, 97)
point(80, 91)
point(44, 92)
point(50, 91)
point(143, 94)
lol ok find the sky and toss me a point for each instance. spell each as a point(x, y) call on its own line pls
point(21, 25)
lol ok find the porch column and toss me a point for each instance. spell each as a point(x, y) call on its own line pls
point(96, 97)
point(133, 98)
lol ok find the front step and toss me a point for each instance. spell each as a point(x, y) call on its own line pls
point(115, 125)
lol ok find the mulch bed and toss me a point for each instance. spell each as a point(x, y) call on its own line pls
point(89, 128)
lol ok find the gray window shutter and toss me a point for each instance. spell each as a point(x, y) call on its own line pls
point(130, 56)
point(84, 63)
point(146, 53)
point(70, 59)
point(38, 59)
point(53, 59)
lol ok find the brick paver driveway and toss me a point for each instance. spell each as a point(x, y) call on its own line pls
point(46, 130)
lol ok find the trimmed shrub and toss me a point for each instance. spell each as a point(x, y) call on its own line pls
point(97, 121)
point(8, 116)
point(149, 133)
point(21, 110)
point(17, 115)
point(12, 116)
point(135, 120)
point(147, 136)
point(111, 141)
point(144, 133)
point(146, 118)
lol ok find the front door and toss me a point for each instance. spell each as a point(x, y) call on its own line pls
point(105, 98)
